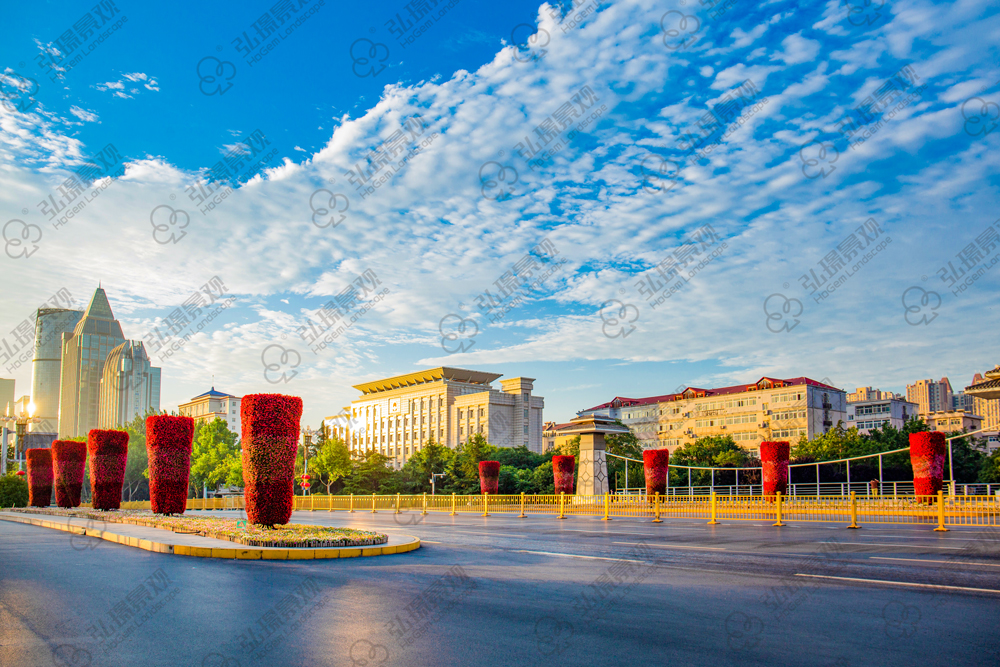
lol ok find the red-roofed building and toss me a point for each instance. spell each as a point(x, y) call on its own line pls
point(769, 409)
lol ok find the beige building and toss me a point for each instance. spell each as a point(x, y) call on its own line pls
point(930, 396)
point(948, 421)
point(769, 409)
point(214, 404)
point(988, 408)
point(398, 415)
point(870, 394)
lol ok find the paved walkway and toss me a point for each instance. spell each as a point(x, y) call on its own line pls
point(160, 540)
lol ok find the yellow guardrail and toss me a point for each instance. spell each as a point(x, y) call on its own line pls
point(939, 511)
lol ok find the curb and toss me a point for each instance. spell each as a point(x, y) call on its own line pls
point(215, 552)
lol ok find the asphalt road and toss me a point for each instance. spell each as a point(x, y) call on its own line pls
point(508, 591)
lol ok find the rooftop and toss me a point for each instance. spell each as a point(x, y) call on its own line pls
point(427, 376)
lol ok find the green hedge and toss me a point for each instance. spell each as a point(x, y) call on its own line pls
point(13, 491)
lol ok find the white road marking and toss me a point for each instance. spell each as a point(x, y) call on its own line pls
point(905, 546)
point(671, 546)
point(899, 583)
point(927, 560)
point(549, 553)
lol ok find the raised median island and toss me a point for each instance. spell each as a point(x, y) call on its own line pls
point(230, 529)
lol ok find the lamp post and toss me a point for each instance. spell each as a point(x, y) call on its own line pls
point(307, 434)
point(433, 475)
point(20, 433)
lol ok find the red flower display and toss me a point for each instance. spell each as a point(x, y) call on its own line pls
point(562, 468)
point(270, 440)
point(168, 443)
point(656, 465)
point(774, 461)
point(69, 458)
point(489, 476)
point(107, 452)
point(39, 477)
point(927, 452)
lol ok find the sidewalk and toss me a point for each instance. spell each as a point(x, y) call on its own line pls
point(168, 542)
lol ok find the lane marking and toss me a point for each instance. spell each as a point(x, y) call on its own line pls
point(963, 539)
point(429, 542)
point(899, 583)
point(550, 553)
point(671, 546)
point(927, 560)
point(905, 546)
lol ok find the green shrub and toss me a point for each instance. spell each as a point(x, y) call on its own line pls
point(13, 491)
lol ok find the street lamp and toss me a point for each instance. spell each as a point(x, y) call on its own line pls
point(307, 434)
point(20, 432)
point(433, 475)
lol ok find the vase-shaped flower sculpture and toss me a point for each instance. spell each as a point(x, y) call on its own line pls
point(656, 466)
point(774, 464)
point(69, 458)
point(562, 469)
point(927, 450)
point(270, 440)
point(489, 476)
point(39, 477)
point(168, 444)
point(107, 452)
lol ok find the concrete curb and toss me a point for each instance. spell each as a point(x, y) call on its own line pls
point(214, 552)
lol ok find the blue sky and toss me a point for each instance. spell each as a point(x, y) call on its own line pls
point(757, 153)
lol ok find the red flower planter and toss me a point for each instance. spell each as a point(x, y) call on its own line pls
point(489, 476)
point(270, 440)
point(107, 451)
point(39, 477)
point(927, 452)
point(774, 461)
point(562, 468)
point(168, 443)
point(69, 458)
point(656, 465)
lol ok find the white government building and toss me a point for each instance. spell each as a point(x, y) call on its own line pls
point(398, 415)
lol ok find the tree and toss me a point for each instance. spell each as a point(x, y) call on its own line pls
point(137, 466)
point(331, 462)
point(215, 457)
point(369, 473)
point(463, 469)
point(432, 458)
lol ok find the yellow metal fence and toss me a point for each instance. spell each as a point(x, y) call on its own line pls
point(939, 511)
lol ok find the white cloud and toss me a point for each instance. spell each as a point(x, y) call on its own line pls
point(119, 86)
point(797, 49)
point(83, 114)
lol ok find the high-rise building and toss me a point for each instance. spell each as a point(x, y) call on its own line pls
point(931, 396)
point(6, 396)
point(398, 415)
point(214, 404)
point(989, 407)
point(130, 386)
point(50, 325)
point(82, 368)
point(769, 409)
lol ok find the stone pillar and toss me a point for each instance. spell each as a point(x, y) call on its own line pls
point(592, 475)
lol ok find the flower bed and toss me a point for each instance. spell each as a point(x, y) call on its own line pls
point(39, 477)
point(489, 477)
point(656, 466)
point(774, 466)
point(107, 451)
point(168, 445)
point(234, 530)
point(68, 461)
point(562, 471)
